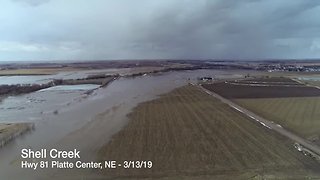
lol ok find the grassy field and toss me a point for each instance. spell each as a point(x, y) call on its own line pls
point(188, 134)
point(300, 115)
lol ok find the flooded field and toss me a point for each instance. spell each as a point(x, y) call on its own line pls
point(81, 87)
point(70, 118)
point(41, 79)
point(310, 78)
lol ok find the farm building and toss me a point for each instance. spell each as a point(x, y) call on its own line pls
point(205, 79)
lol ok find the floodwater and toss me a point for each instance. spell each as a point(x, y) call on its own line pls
point(42, 79)
point(81, 87)
point(70, 118)
point(310, 78)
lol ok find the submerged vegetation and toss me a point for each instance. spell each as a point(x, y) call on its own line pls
point(27, 88)
point(10, 131)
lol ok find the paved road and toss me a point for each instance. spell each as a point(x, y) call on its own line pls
point(268, 124)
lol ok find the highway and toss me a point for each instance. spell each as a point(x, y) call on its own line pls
point(266, 123)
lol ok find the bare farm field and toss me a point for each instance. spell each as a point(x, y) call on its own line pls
point(188, 134)
point(271, 80)
point(262, 88)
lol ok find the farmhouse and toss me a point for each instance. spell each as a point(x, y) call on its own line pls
point(205, 79)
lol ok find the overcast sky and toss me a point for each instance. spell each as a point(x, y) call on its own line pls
point(158, 29)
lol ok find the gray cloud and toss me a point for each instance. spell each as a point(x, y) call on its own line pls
point(32, 2)
point(235, 30)
point(124, 29)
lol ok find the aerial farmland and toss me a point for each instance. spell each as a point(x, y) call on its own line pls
point(160, 90)
point(291, 104)
point(189, 134)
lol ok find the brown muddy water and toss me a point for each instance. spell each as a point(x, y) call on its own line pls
point(68, 119)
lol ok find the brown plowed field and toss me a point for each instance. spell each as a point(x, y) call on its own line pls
point(229, 90)
point(188, 134)
point(271, 80)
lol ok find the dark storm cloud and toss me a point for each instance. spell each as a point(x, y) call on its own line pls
point(124, 29)
point(254, 29)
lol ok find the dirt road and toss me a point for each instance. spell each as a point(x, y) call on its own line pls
point(268, 124)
